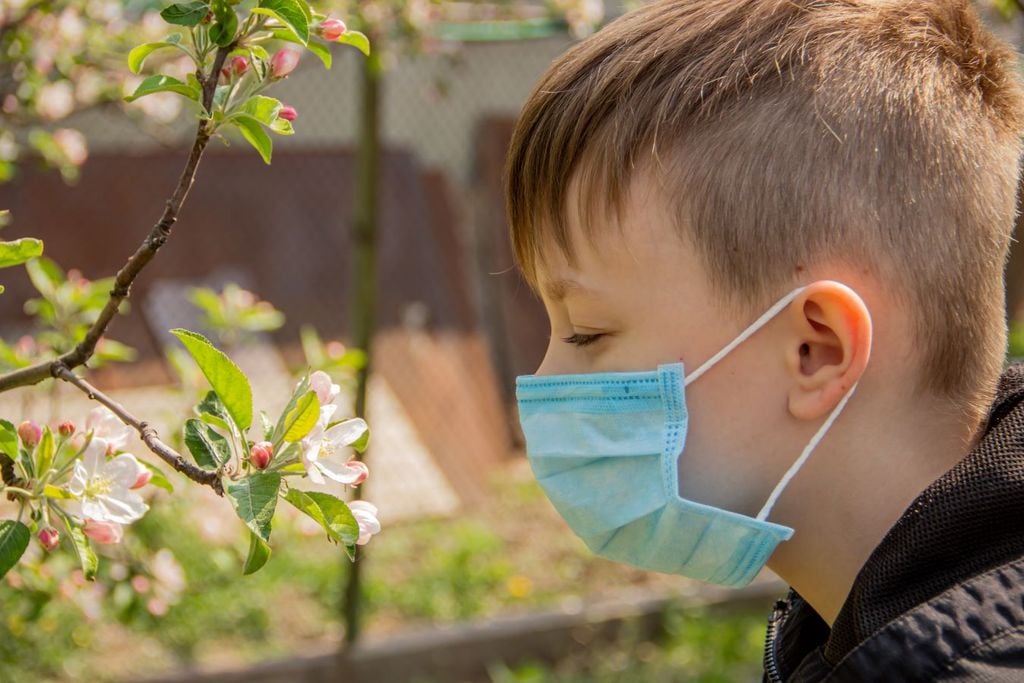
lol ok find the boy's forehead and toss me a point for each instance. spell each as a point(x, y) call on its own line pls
point(605, 244)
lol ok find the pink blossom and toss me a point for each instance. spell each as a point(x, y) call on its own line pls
point(30, 433)
point(366, 516)
point(332, 28)
point(283, 62)
point(49, 538)
point(66, 428)
point(103, 532)
point(140, 584)
point(288, 113)
point(144, 477)
point(261, 454)
point(320, 382)
point(239, 65)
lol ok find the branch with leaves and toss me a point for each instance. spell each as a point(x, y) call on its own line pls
point(84, 481)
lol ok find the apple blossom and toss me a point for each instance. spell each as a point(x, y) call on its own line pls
point(49, 538)
point(332, 29)
point(66, 428)
point(102, 488)
point(366, 516)
point(321, 383)
point(261, 454)
point(283, 62)
point(103, 423)
point(30, 433)
point(322, 443)
point(103, 532)
point(288, 113)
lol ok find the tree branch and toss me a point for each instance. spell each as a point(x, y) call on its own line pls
point(148, 434)
point(159, 234)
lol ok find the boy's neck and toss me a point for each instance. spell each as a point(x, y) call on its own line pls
point(869, 486)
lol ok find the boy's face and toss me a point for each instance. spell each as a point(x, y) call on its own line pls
point(637, 296)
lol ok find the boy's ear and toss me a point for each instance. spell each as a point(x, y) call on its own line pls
point(828, 347)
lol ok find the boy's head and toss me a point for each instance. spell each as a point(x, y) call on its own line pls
point(697, 159)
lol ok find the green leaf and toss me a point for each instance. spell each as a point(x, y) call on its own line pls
point(44, 452)
point(356, 40)
point(210, 449)
point(267, 425)
point(282, 127)
point(8, 439)
point(185, 14)
point(262, 108)
point(320, 51)
point(288, 12)
point(14, 538)
point(212, 411)
point(259, 553)
point(162, 83)
point(300, 390)
point(363, 441)
point(46, 275)
point(159, 479)
point(139, 53)
point(223, 32)
point(329, 512)
point(51, 491)
point(254, 499)
point(17, 252)
point(302, 417)
point(230, 383)
point(253, 131)
point(86, 556)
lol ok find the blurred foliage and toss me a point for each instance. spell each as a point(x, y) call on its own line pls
point(68, 305)
point(697, 647)
point(234, 314)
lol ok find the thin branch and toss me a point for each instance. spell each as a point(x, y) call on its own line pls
point(146, 432)
point(84, 350)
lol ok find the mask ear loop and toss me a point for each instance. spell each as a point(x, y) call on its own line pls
point(744, 335)
point(808, 449)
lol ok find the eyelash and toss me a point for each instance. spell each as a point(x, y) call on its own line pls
point(582, 339)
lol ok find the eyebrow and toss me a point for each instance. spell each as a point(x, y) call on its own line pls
point(558, 289)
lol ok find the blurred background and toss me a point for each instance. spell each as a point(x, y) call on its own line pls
point(474, 577)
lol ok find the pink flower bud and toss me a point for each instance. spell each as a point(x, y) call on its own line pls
point(49, 538)
point(66, 428)
point(283, 62)
point(359, 468)
point(103, 532)
point(225, 73)
point(144, 476)
point(332, 29)
point(288, 113)
point(30, 433)
point(239, 65)
point(140, 584)
point(261, 454)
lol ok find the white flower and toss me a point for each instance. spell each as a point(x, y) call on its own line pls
point(366, 515)
point(103, 487)
point(107, 426)
point(322, 444)
point(326, 390)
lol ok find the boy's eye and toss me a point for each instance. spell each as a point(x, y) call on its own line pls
point(582, 339)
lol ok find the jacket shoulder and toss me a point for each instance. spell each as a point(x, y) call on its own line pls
point(972, 632)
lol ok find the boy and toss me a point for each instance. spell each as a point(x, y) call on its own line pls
point(770, 229)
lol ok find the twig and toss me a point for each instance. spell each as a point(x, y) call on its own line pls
point(84, 350)
point(148, 434)
point(61, 366)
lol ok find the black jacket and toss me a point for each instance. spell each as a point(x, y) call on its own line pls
point(942, 596)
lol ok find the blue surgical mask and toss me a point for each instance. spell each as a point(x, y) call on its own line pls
point(605, 448)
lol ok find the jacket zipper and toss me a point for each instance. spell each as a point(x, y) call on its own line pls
point(771, 654)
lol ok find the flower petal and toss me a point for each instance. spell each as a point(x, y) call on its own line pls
point(347, 432)
point(123, 470)
point(340, 472)
point(95, 456)
point(121, 506)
